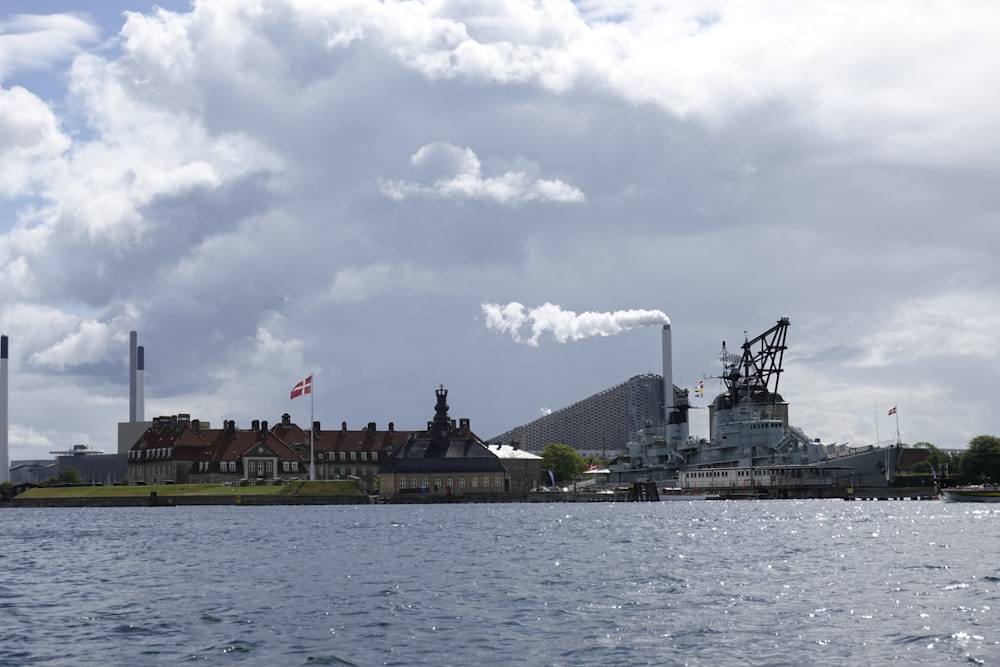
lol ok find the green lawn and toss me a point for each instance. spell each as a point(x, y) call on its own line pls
point(324, 488)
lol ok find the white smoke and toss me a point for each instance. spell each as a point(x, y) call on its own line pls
point(564, 325)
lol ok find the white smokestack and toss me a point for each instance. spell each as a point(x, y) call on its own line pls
point(133, 354)
point(4, 453)
point(564, 325)
point(668, 373)
point(140, 384)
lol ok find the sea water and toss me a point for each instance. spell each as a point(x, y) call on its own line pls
point(817, 582)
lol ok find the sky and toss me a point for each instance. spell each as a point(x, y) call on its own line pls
point(504, 198)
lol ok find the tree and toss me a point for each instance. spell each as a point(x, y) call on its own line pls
point(942, 464)
point(564, 461)
point(981, 461)
point(67, 475)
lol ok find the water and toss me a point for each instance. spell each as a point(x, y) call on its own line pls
point(822, 582)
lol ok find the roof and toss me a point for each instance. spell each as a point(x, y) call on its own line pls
point(420, 453)
point(509, 452)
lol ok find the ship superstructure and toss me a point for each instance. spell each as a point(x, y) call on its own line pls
point(748, 426)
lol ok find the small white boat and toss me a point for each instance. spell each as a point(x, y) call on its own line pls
point(978, 493)
point(677, 493)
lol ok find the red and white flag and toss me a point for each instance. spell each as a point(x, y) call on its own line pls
point(893, 411)
point(304, 387)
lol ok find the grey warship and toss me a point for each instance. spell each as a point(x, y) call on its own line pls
point(752, 448)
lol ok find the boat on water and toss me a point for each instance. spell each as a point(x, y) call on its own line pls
point(977, 493)
point(752, 448)
point(677, 493)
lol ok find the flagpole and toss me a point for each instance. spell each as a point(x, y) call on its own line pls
point(312, 435)
point(875, 403)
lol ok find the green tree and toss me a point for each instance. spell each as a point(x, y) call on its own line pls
point(68, 475)
point(981, 461)
point(943, 464)
point(564, 461)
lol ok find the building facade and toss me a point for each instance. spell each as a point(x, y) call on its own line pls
point(599, 425)
point(448, 459)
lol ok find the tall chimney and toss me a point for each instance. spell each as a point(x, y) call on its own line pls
point(4, 454)
point(140, 384)
point(133, 354)
point(668, 375)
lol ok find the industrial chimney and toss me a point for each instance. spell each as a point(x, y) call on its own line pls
point(133, 360)
point(140, 384)
point(4, 453)
point(668, 375)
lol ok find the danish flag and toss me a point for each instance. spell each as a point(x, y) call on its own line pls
point(304, 387)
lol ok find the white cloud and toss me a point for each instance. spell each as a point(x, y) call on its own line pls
point(357, 284)
point(37, 42)
point(231, 180)
point(942, 325)
point(89, 343)
point(464, 180)
point(32, 143)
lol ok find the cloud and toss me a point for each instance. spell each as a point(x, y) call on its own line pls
point(233, 183)
point(463, 179)
point(33, 143)
point(357, 284)
point(89, 343)
point(38, 42)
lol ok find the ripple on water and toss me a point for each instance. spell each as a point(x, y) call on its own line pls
point(744, 583)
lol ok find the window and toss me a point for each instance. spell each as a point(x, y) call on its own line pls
point(374, 456)
point(413, 482)
point(343, 456)
point(286, 466)
point(402, 483)
point(497, 482)
point(270, 466)
point(425, 483)
point(364, 456)
point(486, 482)
point(461, 483)
point(451, 483)
point(354, 456)
point(437, 483)
point(475, 482)
point(295, 466)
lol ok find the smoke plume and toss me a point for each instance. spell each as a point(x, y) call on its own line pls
point(564, 325)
